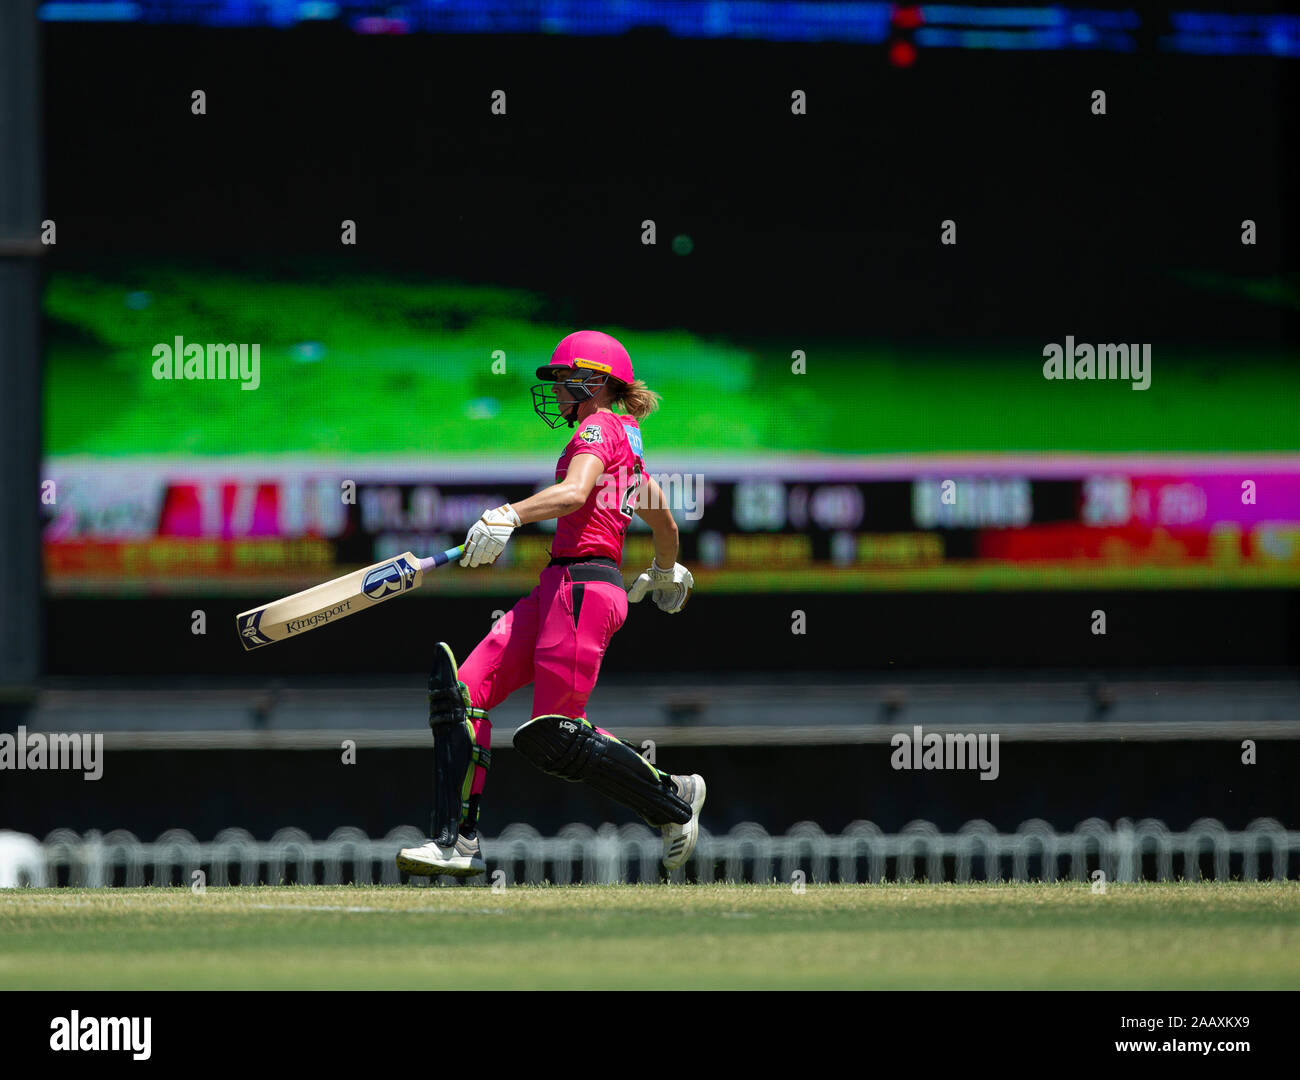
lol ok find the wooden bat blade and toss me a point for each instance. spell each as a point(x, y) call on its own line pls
point(322, 604)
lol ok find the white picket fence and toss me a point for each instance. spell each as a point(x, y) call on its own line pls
point(861, 853)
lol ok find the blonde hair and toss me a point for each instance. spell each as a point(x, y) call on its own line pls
point(636, 399)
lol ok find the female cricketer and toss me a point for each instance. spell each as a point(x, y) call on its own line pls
point(556, 636)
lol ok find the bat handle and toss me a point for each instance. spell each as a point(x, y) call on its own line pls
point(442, 558)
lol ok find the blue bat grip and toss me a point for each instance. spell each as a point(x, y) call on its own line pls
point(443, 558)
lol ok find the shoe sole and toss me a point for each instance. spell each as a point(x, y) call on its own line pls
point(423, 869)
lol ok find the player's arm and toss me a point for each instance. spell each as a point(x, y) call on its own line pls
point(652, 508)
point(667, 580)
point(568, 495)
point(488, 536)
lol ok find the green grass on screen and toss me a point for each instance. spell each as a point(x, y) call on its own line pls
point(372, 365)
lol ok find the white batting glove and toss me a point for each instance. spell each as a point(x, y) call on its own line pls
point(487, 537)
point(670, 588)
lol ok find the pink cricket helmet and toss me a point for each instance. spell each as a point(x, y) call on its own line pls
point(589, 351)
point(593, 350)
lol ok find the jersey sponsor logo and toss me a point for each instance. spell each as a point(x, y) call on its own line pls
point(592, 434)
point(634, 439)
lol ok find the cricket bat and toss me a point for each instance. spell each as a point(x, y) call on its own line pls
point(315, 607)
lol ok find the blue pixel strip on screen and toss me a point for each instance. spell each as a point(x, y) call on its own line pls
point(923, 26)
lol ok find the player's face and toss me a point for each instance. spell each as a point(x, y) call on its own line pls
point(562, 394)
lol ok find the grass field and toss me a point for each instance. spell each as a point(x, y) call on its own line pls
point(1145, 936)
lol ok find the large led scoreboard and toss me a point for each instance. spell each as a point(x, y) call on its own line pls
point(797, 524)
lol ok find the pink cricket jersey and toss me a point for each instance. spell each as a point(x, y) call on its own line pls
point(599, 526)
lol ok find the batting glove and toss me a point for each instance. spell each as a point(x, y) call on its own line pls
point(487, 538)
point(670, 588)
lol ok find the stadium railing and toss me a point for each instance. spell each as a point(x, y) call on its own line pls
point(1123, 852)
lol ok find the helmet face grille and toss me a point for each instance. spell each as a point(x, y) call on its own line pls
point(547, 405)
point(550, 408)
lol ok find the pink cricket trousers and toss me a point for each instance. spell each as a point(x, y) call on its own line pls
point(555, 638)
